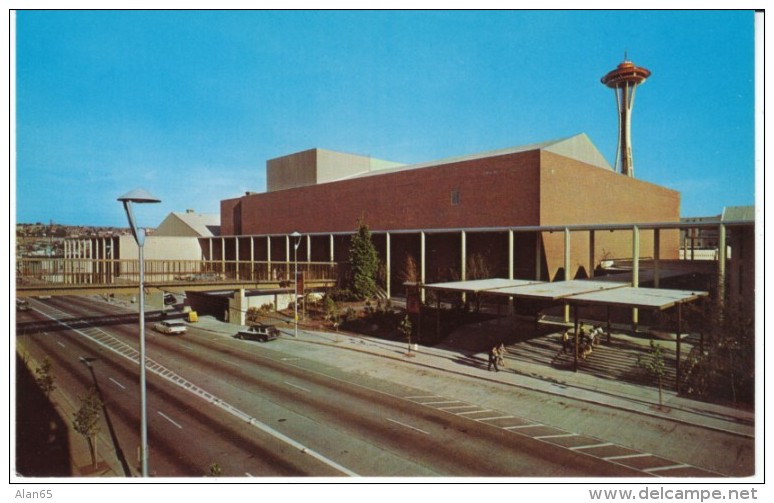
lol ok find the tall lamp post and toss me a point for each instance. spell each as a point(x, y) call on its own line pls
point(297, 237)
point(140, 196)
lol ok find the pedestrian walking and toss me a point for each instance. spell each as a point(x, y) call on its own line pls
point(493, 359)
point(501, 355)
point(566, 340)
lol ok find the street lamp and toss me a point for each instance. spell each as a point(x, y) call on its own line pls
point(140, 196)
point(297, 237)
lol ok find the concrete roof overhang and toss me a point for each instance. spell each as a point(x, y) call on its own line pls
point(644, 298)
point(579, 292)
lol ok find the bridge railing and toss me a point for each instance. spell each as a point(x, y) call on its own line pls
point(69, 271)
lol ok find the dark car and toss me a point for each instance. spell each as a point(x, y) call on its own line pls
point(169, 299)
point(262, 333)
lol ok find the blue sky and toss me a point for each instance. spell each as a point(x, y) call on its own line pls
point(189, 105)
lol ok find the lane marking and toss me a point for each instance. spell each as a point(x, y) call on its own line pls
point(627, 456)
point(475, 412)
point(187, 346)
point(444, 401)
point(407, 426)
point(661, 468)
point(419, 397)
point(61, 344)
point(494, 417)
point(523, 426)
point(230, 362)
point(297, 386)
point(590, 446)
point(117, 383)
point(563, 435)
point(169, 419)
point(459, 407)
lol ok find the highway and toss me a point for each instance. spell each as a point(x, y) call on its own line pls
point(259, 410)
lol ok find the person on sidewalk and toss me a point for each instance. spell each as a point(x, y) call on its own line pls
point(566, 340)
point(501, 355)
point(493, 359)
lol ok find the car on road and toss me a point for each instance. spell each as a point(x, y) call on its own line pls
point(260, 332)
point(22, 304)
point(170, 327)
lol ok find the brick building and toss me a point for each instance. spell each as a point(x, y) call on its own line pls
point(427, 210)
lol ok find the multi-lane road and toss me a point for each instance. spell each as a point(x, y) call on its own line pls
point(260, 410)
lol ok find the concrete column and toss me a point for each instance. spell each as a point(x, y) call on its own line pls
point(236, 258)
point(422, 263)
point(511, 268)
point(463, 256)
point(287, 258)
point(210, 257)
point(656, 257)
point(567, 276)
point(592, 253)
point(308, 248)
point(635, 270)
point(222, 255)
point(332, 250)
point(538, 253)
point(721, 267)
point(237, 310)
point(387, 265)
point(511, 265)
point(252, 258)
point(269, 272)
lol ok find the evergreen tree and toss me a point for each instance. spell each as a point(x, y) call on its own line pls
point(364, 262)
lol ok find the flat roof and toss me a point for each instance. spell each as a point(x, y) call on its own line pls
point(577, 291)
point(648, 298)
point(559, 289)
point(481, 285)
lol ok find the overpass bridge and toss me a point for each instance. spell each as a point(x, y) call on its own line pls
point(65, 276)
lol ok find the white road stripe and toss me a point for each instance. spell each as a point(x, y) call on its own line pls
point(230, 363)
point(627, 456)
point(563, 435)
point(169, 419)
point(459, 407)
point(296, 386)
point(493, 418)
point(474, 412)
point(61, 344)
point(661, 468)
point(590, 446)
point(522, 426)
point(117, 383)
point(407, 426)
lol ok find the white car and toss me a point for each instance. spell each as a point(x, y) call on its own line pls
point(170, 327)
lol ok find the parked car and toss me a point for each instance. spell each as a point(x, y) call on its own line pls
point(260, 332)
point(170, 327)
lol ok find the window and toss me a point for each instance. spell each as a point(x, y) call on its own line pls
point(455, 197)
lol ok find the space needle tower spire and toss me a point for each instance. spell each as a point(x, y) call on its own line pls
point(624, 80)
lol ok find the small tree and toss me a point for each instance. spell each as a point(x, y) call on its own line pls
point(654, 364)
point(364, 262)
point(406, 328)
point(331, 311)
point(87, 421)
point(45, 377)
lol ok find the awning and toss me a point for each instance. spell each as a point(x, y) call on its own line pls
point(647, 298)
point(480, 285)
point(558, 289)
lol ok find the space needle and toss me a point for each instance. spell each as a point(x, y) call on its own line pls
point(624, 80)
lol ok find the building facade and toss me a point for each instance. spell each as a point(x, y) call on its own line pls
point(425, 211)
